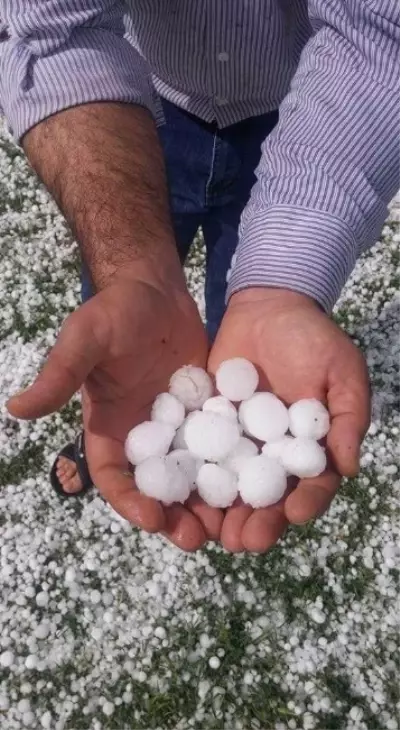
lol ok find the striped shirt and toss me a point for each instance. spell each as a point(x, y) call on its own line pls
point(331, 166)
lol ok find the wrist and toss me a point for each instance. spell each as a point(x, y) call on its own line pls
point(164, 271)
point(272, 296)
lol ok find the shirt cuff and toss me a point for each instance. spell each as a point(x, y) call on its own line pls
point(92, 66)
point(288, 247)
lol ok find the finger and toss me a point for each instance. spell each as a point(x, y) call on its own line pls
point(232, 527)
point(344, 443)
point(70, 361)
point(183, 528)
point(349, 406)
point(264, 528)
point(210, 518)
point(311, 498)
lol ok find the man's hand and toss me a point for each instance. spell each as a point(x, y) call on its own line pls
point(300, 353)
point(124, 344)
point(104, 166)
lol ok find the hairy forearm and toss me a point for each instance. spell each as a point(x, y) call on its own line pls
point(104, 166)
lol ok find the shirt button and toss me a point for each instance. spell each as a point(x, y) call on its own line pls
point(223, 56)
point(220, 101)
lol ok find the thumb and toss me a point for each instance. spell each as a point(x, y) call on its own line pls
point(74, 355)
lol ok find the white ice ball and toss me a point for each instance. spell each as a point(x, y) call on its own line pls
point(308, 418)
point(264, 417)
point(168, 409)
point(236, 379)
point(274, 449)
point(192, 386)
point(179, 440)
point(244, 449)
point(150, 438)
point(221, 405)
point(304, 458)
point(217, 486)
point(162, 479)
point(262, 481)
point(185, 461)
point(210, 436)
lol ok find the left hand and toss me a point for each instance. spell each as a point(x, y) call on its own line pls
point(300, 353)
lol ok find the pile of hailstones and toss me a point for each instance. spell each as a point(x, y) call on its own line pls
point(227, 445)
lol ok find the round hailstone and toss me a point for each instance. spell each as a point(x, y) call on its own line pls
point(210, 436)
point(217, 486)
point(185, 461)
point(262, 481)
point(179, 440)
point(274, 449)
point(308, 418)
point(162, 479)
point(304, 458)
point(236, 379)
point(150, 438)
point(264, 417)
point(192, 386)
point(6, 659)
point(221, 405)
point(168, 409)
point(243, 450)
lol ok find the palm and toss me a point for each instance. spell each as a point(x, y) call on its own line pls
point(124, 344)
point(300, 353)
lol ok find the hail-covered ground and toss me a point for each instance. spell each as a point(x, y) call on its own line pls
point(104, 627)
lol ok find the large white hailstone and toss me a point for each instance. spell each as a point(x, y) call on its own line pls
point(168, 409)
point(262, 481)
point(264, 417)
point(308, 418)
point(244, 449)
point(192, 386)
point(274, 449)
point(150, 438)
point(304, 458)
point(162, 479)
point(210, 436)
point(179, 440)
point(187, 463)
point(217, 486)
point(221, 405)
point(236, 379)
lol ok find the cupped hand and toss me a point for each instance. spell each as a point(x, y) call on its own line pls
point(122, 346)
point(300, 353)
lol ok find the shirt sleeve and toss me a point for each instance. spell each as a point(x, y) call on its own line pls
point(62, 53)
point(331, 166)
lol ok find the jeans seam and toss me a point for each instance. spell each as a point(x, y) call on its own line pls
point(211, 175)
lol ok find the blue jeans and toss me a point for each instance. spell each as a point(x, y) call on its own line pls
point(210, 174)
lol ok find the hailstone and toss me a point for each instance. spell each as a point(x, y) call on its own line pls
point(185, 461)
point(262, 481)
point(236, 379)
point(211, 437)
point(163, 480)
point(179, 440)
point(243, 450)
point(150, 438)
point(303, 458)
point(274, 449)
point(264, 417)
point(168, 409)
point(217, 486)
point(308, 418)
point(192, 386)
point(221, 405)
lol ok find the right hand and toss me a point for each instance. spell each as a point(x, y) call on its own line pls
point(121, 347)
